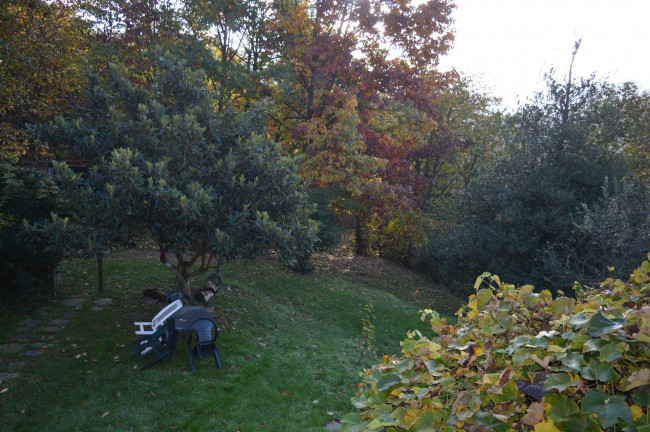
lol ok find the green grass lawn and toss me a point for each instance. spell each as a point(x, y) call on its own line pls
point(290, 347)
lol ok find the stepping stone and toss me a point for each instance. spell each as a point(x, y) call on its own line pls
point(40, 345)
point(33, 353)
point(8, 376)
point(11, 348)
point(73, 301)
point(104, 301)
point(59, 322)
point(30, 322)
point(95, 308)
point(51, 329)
point(70, 314)
point(333, 425)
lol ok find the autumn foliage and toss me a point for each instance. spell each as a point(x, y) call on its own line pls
point(520, 360)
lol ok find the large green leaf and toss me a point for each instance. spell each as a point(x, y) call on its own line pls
point(612, 351)
point(642, 424)
point(600, 325)
point(353, 422)
point(579, 321)
point(404, 365)
point(574, 361)
point(578, 423)
point(593, 345)
point(641, 398)
point(427, 422)
point(597, 371)
point(559, 407)
point(489, 422)
point(387, 381)
point(537, 342)
point(608, 408)
point(560, 382)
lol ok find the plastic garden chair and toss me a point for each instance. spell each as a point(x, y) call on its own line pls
point(178, 296)
point(205, 341)
point(145, 328)
point(160, 343)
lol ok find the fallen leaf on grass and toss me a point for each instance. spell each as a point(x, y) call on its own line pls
point(4, 390)
point(105, 414)
point(534, 414)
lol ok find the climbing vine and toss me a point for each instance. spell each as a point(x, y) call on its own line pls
point(520, 360)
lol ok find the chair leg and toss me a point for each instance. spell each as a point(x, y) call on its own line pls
point(217, 356)
point(191, 351)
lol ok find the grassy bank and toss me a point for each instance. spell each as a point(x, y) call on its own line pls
point(290, 344)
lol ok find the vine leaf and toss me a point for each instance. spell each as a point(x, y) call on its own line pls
point(600, 325)
point(597, 371)
point(560, 382)
point(608, 408)
point(559, 407)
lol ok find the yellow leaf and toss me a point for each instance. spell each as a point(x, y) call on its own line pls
point(637, 411)
point(546, 426)
point(555, 348)
point(491, 378)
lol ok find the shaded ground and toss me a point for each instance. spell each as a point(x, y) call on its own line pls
point(373, 272)
point(381, 274)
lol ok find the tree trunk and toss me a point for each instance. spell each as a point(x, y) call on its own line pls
point(184, 284)
point(100, 273)
point(361, 247)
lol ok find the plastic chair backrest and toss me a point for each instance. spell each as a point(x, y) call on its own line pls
point(165, 313)
point(203, 328)
point(178, 296)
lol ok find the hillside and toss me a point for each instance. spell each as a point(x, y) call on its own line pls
point(292, 348)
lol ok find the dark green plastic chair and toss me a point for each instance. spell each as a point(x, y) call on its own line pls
point(202, 332)
point(160, 344)
point(178, 296)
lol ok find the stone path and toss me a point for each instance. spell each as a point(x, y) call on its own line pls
point(34, 335)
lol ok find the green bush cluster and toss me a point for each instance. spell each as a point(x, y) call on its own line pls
point(27, 262)
point(520, 360)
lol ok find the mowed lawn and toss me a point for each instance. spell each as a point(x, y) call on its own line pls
point(292, 349)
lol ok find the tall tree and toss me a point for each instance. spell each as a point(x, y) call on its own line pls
point(42, 44)
point(337, 57)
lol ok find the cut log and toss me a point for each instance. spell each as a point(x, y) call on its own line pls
point(155, 294)
point(209, 289)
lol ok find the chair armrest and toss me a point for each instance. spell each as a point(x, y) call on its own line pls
point(141, 327)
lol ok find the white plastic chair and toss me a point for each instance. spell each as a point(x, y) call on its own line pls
point(146, 328)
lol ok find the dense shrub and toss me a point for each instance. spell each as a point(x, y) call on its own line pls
point(520, 360)
point(27, 262)
point(520, 203)
point(607, 239)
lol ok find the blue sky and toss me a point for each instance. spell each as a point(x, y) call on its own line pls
point(507, 45)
